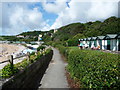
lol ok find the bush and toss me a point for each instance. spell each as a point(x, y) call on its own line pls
point(9, 71)
point(40, 48)
point(74, 41)
point(94, 69)
point(63, 50)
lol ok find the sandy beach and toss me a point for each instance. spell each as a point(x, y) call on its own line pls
point(9, 49)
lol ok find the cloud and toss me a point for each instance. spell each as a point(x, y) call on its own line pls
point(54, 7)
point(18, 18)
point(84, 11)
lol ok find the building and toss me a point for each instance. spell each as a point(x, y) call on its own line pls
point(55, 30)
point(118, 42)
point(84, 41)
point(107, 42)
point(111, 42)
point(100, 41)
point(40, 37)
point(20, 36)
point(88, 41)
point(93, 42)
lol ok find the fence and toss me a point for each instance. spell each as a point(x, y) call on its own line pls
point(31, 76)
point(12, 60)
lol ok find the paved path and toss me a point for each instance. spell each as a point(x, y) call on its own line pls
point(55, 74)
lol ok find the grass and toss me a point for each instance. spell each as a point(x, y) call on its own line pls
point(74, 47)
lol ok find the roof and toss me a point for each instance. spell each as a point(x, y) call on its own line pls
point(93, 38)
point(118, 36)
point(85, 39)
point(110, 36)
point(89, 38)
point(100, 37)
point(80, 39)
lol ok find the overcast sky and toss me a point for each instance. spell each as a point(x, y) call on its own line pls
point(17, 16)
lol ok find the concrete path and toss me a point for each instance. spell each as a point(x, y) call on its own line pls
point(55, 74)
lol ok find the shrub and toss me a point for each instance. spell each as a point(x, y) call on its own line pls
point(95, 69)
point(9, 71)
point(63, 50)
point(40, 48)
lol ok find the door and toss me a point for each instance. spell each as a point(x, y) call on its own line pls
point(90, 44)
point(95, 43)
point(108, 44)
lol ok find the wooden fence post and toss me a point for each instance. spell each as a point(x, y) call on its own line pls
point(10, 57)
point(28, 56)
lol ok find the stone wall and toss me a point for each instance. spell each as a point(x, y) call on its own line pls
point(31, 76)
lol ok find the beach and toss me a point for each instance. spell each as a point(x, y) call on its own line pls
point(10, 49)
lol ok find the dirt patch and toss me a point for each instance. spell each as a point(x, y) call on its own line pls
point(72, 83)
point(52, 61)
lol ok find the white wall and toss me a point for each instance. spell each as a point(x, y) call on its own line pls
point(113, 45)
point(117, 45)
point(103, 42)
point(97, 42)
point(84, 42)
point(92, 44)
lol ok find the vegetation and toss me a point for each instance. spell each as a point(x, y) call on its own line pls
point(9, 38)
point(40, 48)
point(74, 40)
point(94, 69)
point(9, 70)
point(72, 32)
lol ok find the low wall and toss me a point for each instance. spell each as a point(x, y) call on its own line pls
point(31, 76)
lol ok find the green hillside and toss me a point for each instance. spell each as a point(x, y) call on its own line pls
point(74, 31)
point(89, 29)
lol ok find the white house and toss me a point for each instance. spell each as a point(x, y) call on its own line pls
point(55, 30)
point(84, 41)
point(88, 41)
point(118, 42)
point(100, 41)
point(20, 36)
point(93, 42)
point(111, 42)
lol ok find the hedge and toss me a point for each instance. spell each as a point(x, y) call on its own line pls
point(94, 69)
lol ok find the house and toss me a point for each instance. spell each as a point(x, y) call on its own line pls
point(118, 42)
point(84, 41)
point(100, 42)
point(88, 41)
point(20, 36)
point(93, 42)
point(110, 42)
point(55, 30)
point(40, 37)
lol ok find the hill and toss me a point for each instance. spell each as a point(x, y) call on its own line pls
point(75, 30)
point(89, 29)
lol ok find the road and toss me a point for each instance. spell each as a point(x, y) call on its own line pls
point(55, 74)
